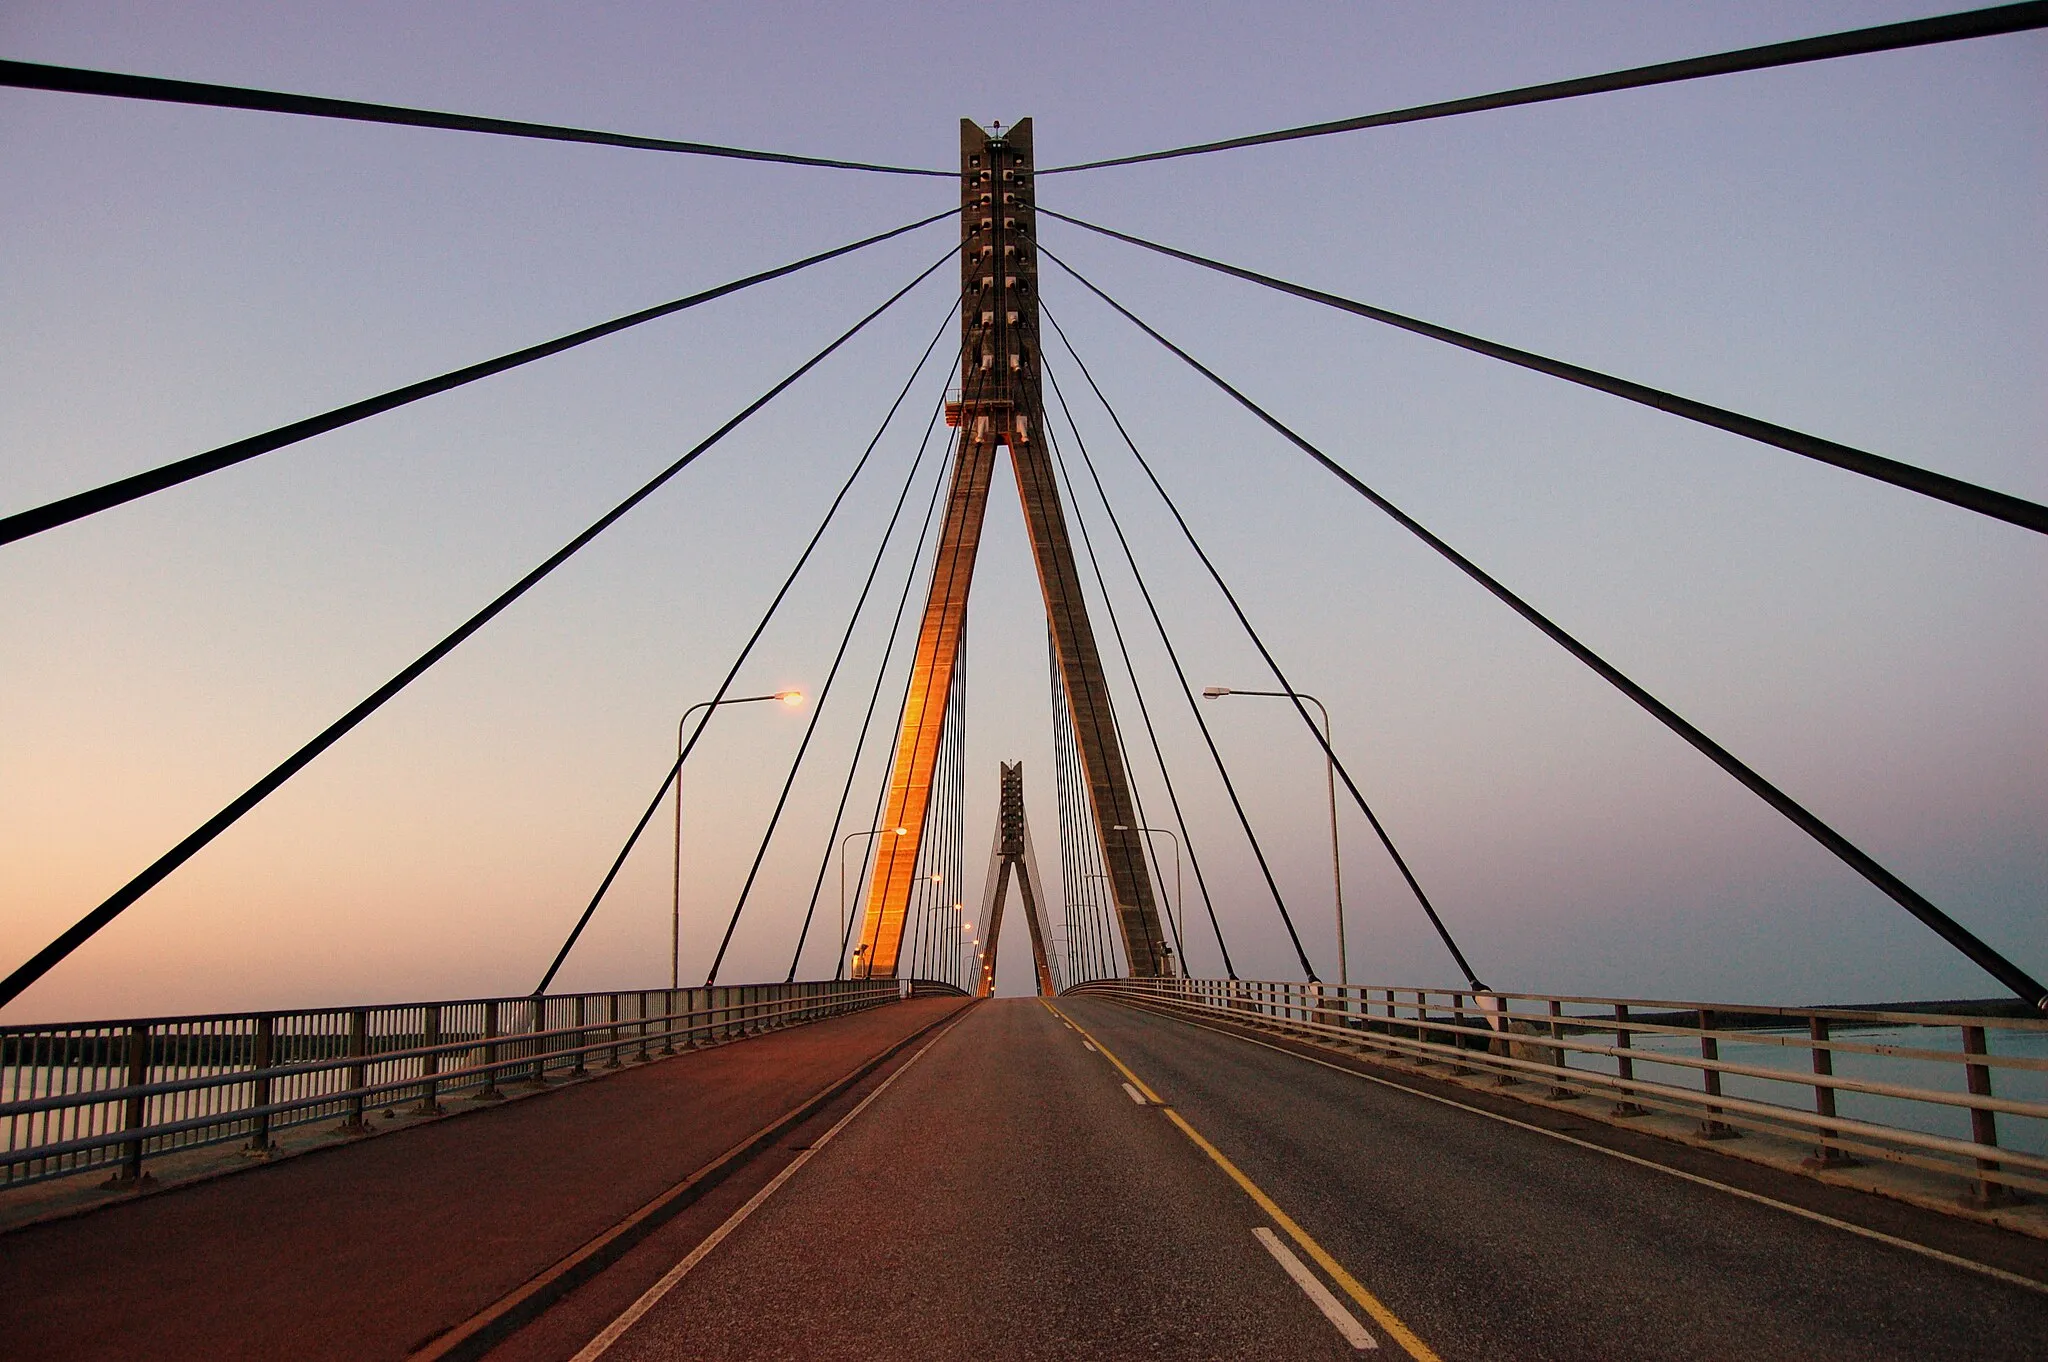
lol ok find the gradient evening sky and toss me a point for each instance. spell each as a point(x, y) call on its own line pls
point(1851, 249)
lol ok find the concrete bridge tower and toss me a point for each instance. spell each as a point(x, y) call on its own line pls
point(1000, 404)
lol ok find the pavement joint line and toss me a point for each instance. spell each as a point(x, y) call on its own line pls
point(652, 1297)
point(1353, 1288)
point(1818, 1217)
point(477, 1335)
point(1311, 1286)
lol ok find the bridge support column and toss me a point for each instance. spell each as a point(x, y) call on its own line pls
point(1000, 403)
point(1012, 855)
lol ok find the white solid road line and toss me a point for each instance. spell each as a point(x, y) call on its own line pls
point(1953, 1260)
point(616, 1330)
point(1312, 1287)
point(1134, 1094)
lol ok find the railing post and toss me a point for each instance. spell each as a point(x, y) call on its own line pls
point(1713, 1128)
point(136, 1117)
point(431, 1064)
point(1499, 1042)
point(358, 1045)
point(1983, 1123)
point(668, 1022)
point(1558, 1092)
point(582, 1067)
point(259, 1131)
point(489, 1092)
point(1457, 1038)
point(612, 1014)
point(646, 1041)
point(1625, 1066)
point(1827, 1155)
point(536, 1015)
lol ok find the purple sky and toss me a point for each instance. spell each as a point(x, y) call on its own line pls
point(1851, 249)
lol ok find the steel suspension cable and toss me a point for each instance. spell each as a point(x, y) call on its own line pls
point(1144, 711)
point(1079, 889)
point(936, 931)
point(25, 75)
point(1967, 942)
point(1322, 740)
point(935, 947)
point(955, 822)
point(1939, 486)
point(1945, 28)
point(881, 674)
point(1187, 690)
point(112, 907)
point(675, 770)
point(1070, 879)
point(83, 930)
point(1070, 898)
point(1100, 893)
point(77, 506)
point(874, 697)
point(839, 657)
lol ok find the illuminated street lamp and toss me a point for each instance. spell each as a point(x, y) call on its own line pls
point(792, 698)
point(1330, 752)
point(861, 949)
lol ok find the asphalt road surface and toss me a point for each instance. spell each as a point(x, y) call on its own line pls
point(1008, 1194)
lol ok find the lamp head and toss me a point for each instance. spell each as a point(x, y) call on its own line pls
point(792, 698)
point(1212, 692)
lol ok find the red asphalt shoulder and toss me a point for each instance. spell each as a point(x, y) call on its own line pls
point(369, 1249)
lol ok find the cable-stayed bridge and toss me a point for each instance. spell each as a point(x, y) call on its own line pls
point(876, 1157)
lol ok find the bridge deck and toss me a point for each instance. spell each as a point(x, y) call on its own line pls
point(1004, 1196)
point(366, 1250)
point(1007, 1199)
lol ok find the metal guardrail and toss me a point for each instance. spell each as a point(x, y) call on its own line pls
point(1903, 1097)
point(83, 1096)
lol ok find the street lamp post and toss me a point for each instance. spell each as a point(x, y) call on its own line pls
point(1179, 908)
point(791, 698)
point(840, 964)
point(972, 949)
point(1336, 859)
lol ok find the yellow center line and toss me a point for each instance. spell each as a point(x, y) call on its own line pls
point(1353, 1288)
